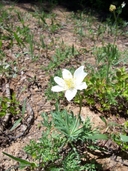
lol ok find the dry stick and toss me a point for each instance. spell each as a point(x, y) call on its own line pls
point(26, 126)
point(8, 95)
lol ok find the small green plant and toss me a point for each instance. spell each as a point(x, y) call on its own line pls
point(65, 136)
point(61, 144)
point(116, 12)
point(107, 84)
point(113, 95)
point(31, 45)
point(54, 26)
point(8, 105)
point(62, 54)
point(21, 116)
point(120, 138)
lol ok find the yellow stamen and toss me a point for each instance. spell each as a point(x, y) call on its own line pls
point(69, 83)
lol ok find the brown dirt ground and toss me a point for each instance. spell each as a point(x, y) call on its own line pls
point(26, 87)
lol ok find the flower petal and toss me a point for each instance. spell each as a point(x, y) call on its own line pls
point(82, 86)
point(79, 75)
point(70, 94)
point(59, 81)
point(66, 74)
point(57, 88)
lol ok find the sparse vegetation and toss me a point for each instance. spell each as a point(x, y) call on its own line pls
point(36, 44)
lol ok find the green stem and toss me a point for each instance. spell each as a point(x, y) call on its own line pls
point(107, 75)
point(75, 151)
point(80, 97)
point(116, 25)
point(57, 104)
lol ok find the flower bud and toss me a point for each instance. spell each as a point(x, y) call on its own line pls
point(112, 8)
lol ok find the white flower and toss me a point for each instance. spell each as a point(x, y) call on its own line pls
point(123, 4)
point(70, 83)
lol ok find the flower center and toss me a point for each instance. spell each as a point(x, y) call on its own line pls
point(69, 83)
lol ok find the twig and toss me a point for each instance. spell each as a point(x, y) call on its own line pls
point(8, 95)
